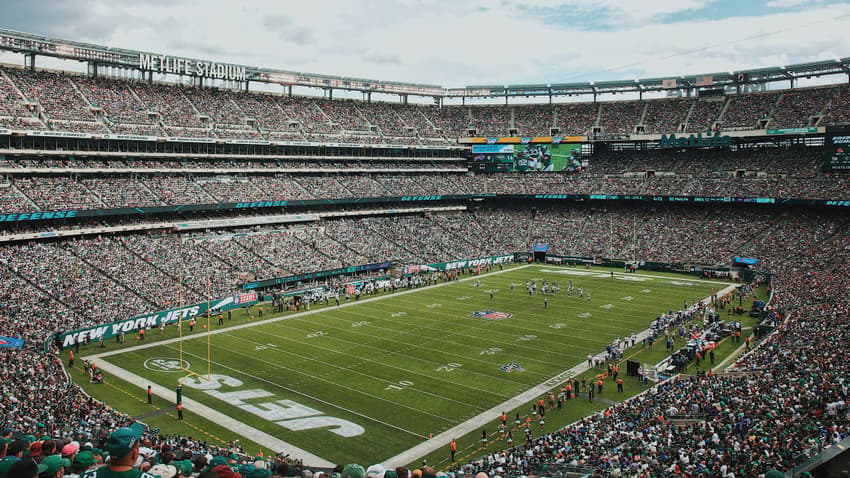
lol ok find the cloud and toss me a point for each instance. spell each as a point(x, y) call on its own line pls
point(790, 3)
point(383, 59)
point(454, 42)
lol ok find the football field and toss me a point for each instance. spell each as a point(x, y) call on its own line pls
point(370, 379)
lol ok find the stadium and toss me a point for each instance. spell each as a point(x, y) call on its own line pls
point(467, 281)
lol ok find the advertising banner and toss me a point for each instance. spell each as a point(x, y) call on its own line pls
point(568, 259)
point(810, 129)
point(466, 263)
point(521, 140)
point(316, 275)
point(258, 142)
point(182, 139)
point(154, 319)
point(403, 200)
point(59, 134)
point(492, 149)
point(10, 343)
point(311, 291)
point(130, 137)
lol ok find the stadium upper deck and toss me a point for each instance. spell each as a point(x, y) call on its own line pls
point(90, 104)
point(44, 101)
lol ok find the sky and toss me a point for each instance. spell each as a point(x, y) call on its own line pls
point(456, 43)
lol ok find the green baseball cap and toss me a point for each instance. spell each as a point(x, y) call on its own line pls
point(258, 473)
point(122, 441)
point(7, 463)
point(55, 463)
point(84, 458)
point(219, 460)
point(353, 471)
point(184, 467)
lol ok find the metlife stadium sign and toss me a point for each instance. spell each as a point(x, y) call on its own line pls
point(183, 66)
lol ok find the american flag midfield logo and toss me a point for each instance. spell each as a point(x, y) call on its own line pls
point(490, 314)
point(511, 367)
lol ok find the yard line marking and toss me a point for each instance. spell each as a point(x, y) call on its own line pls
point(295, 315)
point(362, 360)
point(320, 400)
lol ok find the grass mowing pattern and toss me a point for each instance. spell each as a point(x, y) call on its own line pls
point(355, 362)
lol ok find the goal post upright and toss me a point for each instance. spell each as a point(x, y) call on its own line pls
point(180, 317)
point(209, 328)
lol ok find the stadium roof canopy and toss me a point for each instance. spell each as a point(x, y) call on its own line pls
point(33, 45)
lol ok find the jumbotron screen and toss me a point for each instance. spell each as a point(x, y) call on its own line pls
point(526, 158)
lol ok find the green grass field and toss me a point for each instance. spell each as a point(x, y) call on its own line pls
point(393, 371)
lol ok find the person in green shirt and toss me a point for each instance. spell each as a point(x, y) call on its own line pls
point(521, 162)
point(55, 466)
point(123, 448)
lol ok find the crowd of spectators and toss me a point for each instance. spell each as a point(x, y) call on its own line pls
point(417, 117)
point(534, 120)
point(270, 117)
point(117, 100)
point(169, 102)
point(797, 108)
point(620, 118)
point(745, 111)
point(54, 92)
point(11, 103)
point(838, 110)
point(103, 105)
point(665, 116)
point(704, 115)
point(576, 118)
point(309, 117)
point(780, 405)
point(384, 117)
point(491, 120)
point(218, 106)
point(763, 172)
point(783, 404)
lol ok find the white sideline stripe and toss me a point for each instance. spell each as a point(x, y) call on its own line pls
point(443, 439)
point(226, 421)
point(410, 455)
point(246, 431)
point(634, 274)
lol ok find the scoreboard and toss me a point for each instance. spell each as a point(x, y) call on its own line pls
point(526, 157)
point(491, 158)
point(837, 152)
